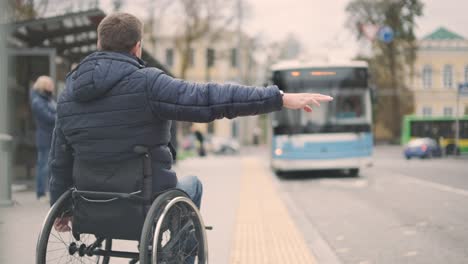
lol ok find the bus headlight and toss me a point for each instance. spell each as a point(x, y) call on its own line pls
point(278, 152)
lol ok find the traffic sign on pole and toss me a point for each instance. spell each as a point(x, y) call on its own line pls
point(386, 34)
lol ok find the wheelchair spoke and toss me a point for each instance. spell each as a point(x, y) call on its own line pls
point(57, 243)
point(59, 257)
point(183, 243)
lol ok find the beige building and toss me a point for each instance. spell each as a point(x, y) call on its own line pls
point(212, 60)
point(441, 65)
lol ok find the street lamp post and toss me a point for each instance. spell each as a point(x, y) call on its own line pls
point(5, 138)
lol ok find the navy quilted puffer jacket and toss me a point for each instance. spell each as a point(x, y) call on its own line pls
point(112, 103)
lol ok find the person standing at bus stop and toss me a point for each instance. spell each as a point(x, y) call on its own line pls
point(43, 107)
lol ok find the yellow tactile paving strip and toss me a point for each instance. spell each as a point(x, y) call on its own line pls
point(265, 233)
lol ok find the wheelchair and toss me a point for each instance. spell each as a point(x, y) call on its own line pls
point(168, 225)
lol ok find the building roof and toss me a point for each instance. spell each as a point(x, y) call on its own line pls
point(443, 34)
point(73, 35)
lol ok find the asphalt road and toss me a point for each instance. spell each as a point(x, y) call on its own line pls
point(399, 211)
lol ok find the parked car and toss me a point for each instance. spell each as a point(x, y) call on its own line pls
point(422, 148)
point(221, 145)
point(188, 143)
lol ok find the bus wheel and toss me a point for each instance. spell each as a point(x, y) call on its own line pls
point(354, 172)
point(451, 149)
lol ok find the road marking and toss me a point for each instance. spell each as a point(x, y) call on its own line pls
point(409, 232)
point(422, 224)
point(411, 254)
point(360, 183)
point(342, 250)
point(437, 186)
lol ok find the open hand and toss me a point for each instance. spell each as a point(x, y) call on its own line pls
point(304, 100)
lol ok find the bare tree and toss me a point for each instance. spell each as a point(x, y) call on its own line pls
point(156, 14)
point(291, 47)
point(29, 9)
point(117, 4)
point(201, 19)
point(392, 61)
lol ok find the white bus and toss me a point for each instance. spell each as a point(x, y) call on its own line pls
point(337, 135)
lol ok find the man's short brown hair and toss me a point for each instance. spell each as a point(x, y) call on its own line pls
point(119, 32)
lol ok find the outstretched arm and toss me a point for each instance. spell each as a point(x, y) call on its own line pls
point(175, 99)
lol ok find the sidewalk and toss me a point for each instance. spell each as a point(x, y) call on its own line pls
point(251, 223)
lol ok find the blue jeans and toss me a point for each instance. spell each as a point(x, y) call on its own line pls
point(42, 172)
point(193, 187)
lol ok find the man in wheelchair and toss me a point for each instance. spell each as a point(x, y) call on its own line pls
point(111, 139)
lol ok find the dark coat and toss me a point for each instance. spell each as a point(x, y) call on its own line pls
point(112, 103)
point(44, 111)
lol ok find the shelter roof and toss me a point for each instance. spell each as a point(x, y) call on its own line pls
point(73, 35)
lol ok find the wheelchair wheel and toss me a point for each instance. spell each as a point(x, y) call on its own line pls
point(174, 232)
point(62, 247)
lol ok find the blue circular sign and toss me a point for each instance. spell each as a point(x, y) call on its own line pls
point(386, 34)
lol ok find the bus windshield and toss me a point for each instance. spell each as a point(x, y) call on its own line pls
point(348, 112)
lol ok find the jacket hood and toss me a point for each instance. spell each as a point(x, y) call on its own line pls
point(100, 72)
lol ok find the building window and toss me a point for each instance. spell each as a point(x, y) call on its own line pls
point(448, 76)
point(466, 74)
point(170, 57)
point(448, 111)
point(427, 111)
point(427, 76)
point(191, 57)
point(234, 58)
point(210, 57)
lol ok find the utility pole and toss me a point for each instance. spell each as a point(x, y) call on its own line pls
point(239, 41)
point(5, 138)
point(240, 67)
point(457, 120)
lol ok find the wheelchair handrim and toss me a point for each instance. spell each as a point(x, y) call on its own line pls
point(160, 221)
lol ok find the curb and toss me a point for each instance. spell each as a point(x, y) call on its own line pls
point(319, 247)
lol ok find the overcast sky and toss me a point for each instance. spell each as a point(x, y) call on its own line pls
point(320, 24)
